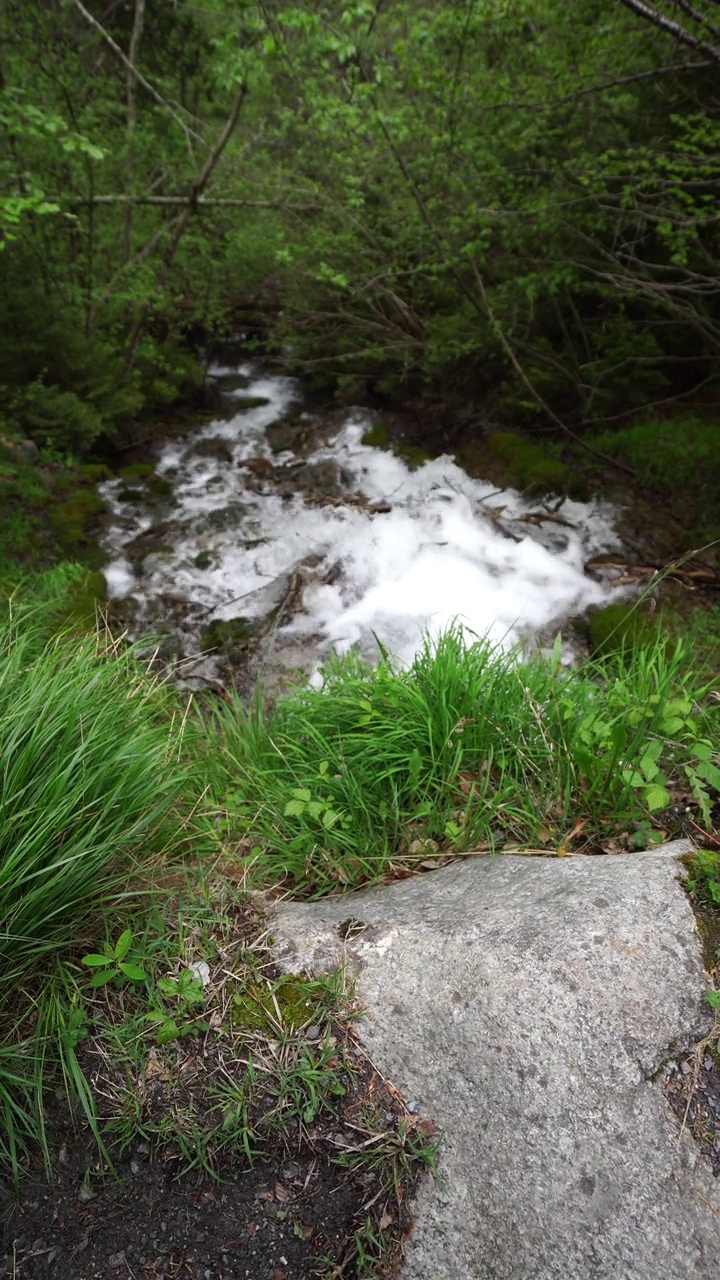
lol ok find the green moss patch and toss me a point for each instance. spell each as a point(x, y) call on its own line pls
point(243, 404)
point(514, 462)
point(75, 521)
point(679, 460)
point(255, 1007)
point(230, 637)
point(703, 885)
point(137, 471)
point(378, 437)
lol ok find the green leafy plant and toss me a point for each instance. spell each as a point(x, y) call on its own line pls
point(469, 746)
point(117, 963)
point(186, 993)
point(703, 878)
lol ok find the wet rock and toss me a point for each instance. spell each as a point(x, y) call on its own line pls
point(157, 540)
point(161, 488)
point(257, 466)
point(322, 478)
point(21, 450)
point(527, 1005)
point(171, 607)
point(230, 636)
point(213, 447)
point(229, 382)
point(289, 433)
point(243, 404)
point(154, 561)
point(123, 614)
point(206, 560)
point(224, 518)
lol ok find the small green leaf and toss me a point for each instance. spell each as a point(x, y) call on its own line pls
point(656, 797)
point(414, 765)
point(709, 772)
point(302, 793)
point(167, 1032)
point(713, 998)
point(96, 960)
point(101, 979)
point(123, 944)
point(294, 809)
point(132, 971)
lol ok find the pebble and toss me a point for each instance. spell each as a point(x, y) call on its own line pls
point(200, 970)
point(685, 1068)
point(116, 1259)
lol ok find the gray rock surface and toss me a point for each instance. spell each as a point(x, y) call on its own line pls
point(527, 1006)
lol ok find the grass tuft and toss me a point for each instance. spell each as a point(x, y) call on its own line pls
point(95, 789)
point(470, 748)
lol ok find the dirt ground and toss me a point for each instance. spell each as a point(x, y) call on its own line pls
point(692, 1088)
point(291, 1215)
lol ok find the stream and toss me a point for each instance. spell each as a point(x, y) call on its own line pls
point(273, 535)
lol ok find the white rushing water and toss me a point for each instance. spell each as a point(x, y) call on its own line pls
point(443, 547)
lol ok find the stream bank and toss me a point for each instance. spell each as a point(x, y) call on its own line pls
point(265, 539)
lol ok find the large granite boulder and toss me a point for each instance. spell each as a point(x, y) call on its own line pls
point(528, 1006)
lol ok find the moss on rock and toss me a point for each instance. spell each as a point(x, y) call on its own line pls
point(229, 636)
point(75, 520)
point(137, 471)
point(513, 461)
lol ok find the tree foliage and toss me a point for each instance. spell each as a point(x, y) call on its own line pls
point(516, 200)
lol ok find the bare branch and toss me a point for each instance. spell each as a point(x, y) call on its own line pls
point(698, 17)
point(673, 28)
point(209, 202)
point(196, 189)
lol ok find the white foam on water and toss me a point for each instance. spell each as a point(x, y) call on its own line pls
point(450, 547)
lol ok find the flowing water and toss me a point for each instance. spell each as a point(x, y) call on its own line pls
point(335, 541)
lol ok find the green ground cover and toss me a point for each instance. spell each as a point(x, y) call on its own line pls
point(133, 824)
